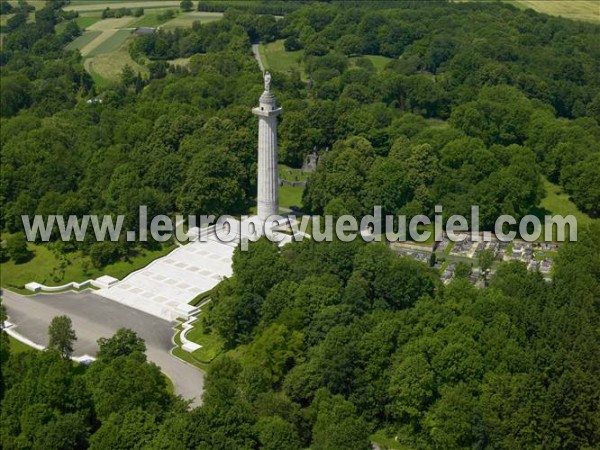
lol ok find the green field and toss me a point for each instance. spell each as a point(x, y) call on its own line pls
point(558, 202)
point(107, 67)
point(291, 174)
point(378, 61)
point(586, 10)
point(45, 267)
point(212, 344)
point(187, 19)
point(181, 62)
point(111, 44)
point(86, 21)
point(105, 45)
point(83, 40)
point(149, 20)
point(83, 22)
point(288, 195)
point(87, 6)
point(276, 59)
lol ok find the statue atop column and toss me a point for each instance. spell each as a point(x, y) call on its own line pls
point(267, 78)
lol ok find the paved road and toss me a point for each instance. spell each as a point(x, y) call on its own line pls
point(93, 317)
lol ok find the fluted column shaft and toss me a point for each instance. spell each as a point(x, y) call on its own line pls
point(268, 174)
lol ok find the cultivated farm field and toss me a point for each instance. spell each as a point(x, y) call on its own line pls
point(105, 42)
point(112, 42)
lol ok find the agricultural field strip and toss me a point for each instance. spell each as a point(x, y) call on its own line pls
point(99, 6)
point(83, 40)
point(108, 28)
point(186, 20)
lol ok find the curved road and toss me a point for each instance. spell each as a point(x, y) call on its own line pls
point(93, 317)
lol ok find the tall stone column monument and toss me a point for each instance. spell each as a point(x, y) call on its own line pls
point(268, 175)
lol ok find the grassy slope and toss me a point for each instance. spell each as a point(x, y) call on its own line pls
point(276, 59)
point(44, 268)
point(212, 344)
point(17, 346)
point(558, 202)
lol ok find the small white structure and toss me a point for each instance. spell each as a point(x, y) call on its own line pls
point(101, 282)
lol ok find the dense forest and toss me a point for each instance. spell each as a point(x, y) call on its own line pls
point(330, 342)
point(327, 343)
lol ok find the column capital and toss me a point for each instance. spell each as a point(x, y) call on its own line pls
point(265, 111)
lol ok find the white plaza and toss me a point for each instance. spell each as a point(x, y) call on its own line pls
point(166, 286)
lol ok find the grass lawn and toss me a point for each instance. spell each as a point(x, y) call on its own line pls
point(212, 344)
point(291, 174)
point(18, 347)
point(46, 268)
point(170, 387)
point(290, 196)
point(180, 353)
point(276, 59)
point(386, 442)
point(558, 202)
point(83, 40)
point(378, 61)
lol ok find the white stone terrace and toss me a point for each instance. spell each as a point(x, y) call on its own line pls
point(166, 286)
